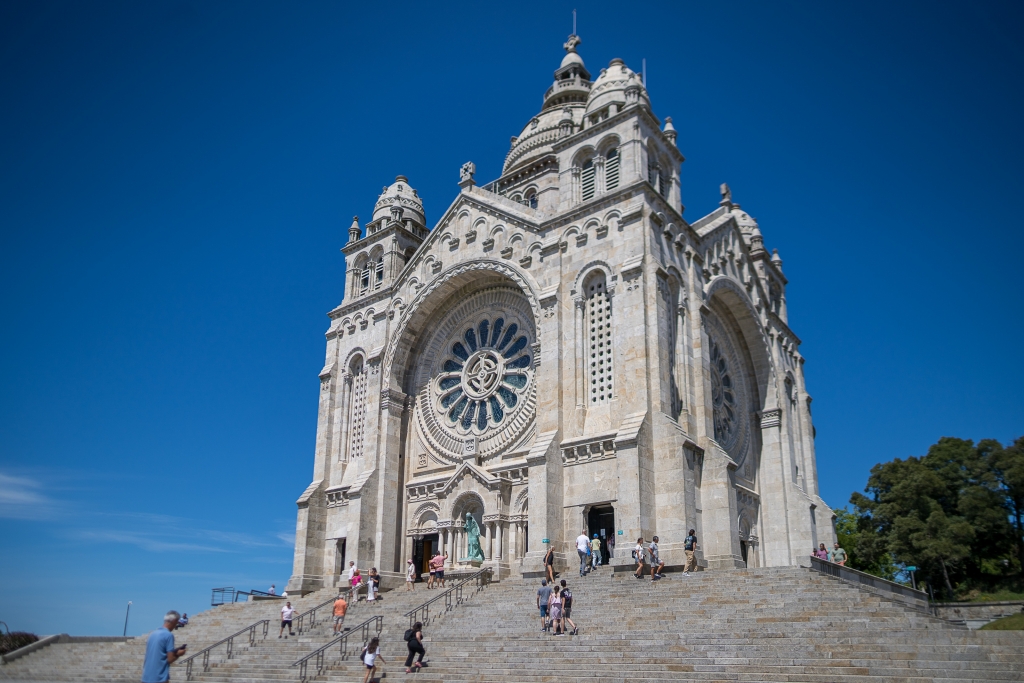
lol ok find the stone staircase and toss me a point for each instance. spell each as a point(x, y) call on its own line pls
point(776, 624)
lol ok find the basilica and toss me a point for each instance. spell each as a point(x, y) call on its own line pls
point(561, 352)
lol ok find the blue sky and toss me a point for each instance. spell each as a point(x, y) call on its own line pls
point(176, 179)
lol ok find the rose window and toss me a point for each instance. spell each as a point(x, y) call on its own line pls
point(723, 396)
point(483, 377)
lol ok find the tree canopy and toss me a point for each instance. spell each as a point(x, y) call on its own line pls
point(957, 513)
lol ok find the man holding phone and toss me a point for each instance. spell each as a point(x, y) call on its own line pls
point(160, 651)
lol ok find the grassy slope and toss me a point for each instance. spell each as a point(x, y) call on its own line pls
point(1014, 622)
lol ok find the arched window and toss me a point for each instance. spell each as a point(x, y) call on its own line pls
point(599, 339)
point(357, 408)
point(611, 169)
point(531, 199)
point(587, 179)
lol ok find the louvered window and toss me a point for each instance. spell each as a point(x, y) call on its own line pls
point(364, 280)
point(357, 419)
point(663, 184)
point(611, 170)
point(588, 180)
point(379, 268)
point(599, 343)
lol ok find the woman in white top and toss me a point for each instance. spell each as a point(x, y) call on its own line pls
point(410, 576)
point(371, 653)
point(638, 554)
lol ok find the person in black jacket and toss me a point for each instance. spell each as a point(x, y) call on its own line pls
point(414, 640)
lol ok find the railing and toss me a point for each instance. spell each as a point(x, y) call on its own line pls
point(913, 598)
point(319, 656)
point(230, 642)
point(222, 596)
point(307, 619)
point(451, 597)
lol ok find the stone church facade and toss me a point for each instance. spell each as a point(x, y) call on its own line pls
point(562, 351)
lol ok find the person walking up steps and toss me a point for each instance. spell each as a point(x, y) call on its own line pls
point(656, 562)
point(286, 619)
point(595, 552)
point(549, 564)
point(555, 610)
point(543, 595)
point(690, 547)
point(160, 651)
point(566, 595)
point(583, 549)
point(340, 607)
point(371, 653)
point(414, 640)
point(638, 555)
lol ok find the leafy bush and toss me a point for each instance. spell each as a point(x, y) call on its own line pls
point(9, 642)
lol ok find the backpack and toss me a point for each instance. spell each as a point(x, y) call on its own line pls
point(633, 553)
point(567, 594)
point(409, 635)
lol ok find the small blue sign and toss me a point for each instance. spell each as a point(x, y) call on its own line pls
point(911, 569)
point(545, 540)
point(620, 532)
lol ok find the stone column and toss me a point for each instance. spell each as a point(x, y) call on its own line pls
point(579, 362)
point(486, 540)
point(497, 535)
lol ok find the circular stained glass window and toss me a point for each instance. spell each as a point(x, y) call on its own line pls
point(483, 376)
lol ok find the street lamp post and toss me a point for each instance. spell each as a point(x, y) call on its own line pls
point(127, 609)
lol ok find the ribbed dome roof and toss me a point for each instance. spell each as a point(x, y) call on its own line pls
point(611, 87)
point(399, 194)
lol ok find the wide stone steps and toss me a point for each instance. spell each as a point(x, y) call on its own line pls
point(782, 624)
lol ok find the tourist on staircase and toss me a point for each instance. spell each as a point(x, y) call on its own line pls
point(287, 612)
point(555, 610)
point(656, 562)
point(638, 555)
point(543, 597)
point(372, 585)
point(371, 653)
point(838, 555)
point(821, 553)
point(595, 551)
point(340, 607)
point(549, 564)
point(690, 548)
point(583, 549)
point(410, 575)
point(414, 641)
point(183, 622)
point(160, 651)
point(566, 595)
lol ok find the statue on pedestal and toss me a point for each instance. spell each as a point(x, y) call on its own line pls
point(473, 551)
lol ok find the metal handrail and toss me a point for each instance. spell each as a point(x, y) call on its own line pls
point(221, 592)
point(343, 644)
point(904, 594)
point(451, 597)
point(301, 620)
point(230, 640)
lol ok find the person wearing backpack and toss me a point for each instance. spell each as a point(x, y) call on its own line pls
point(370, 655)
point(690, 547)
point(414, 641)
point(566, 596)
point(638, 555)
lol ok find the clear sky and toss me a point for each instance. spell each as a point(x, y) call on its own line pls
point(176, 180)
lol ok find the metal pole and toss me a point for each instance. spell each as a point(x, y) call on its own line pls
point(126, 611)
point(913, 581)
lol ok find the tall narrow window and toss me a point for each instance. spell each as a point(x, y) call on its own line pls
point(652, 171)
point(364, 279)
point(663, 184)
point(611, 170)
point(379, 277)
point(587, 178)
point(599, 342)
point(357, 414)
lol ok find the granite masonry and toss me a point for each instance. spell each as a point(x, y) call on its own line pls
point(562, 351)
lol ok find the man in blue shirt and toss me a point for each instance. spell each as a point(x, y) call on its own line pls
point(160, 651)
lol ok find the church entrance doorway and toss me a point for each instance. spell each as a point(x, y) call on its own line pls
point(339, 556)
point(422, 550)
point(601, 521)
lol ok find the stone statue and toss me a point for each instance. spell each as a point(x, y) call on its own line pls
point(726, 193)
point(473, 551)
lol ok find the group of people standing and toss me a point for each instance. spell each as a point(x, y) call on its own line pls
point(555, 604)
point(837, 555)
